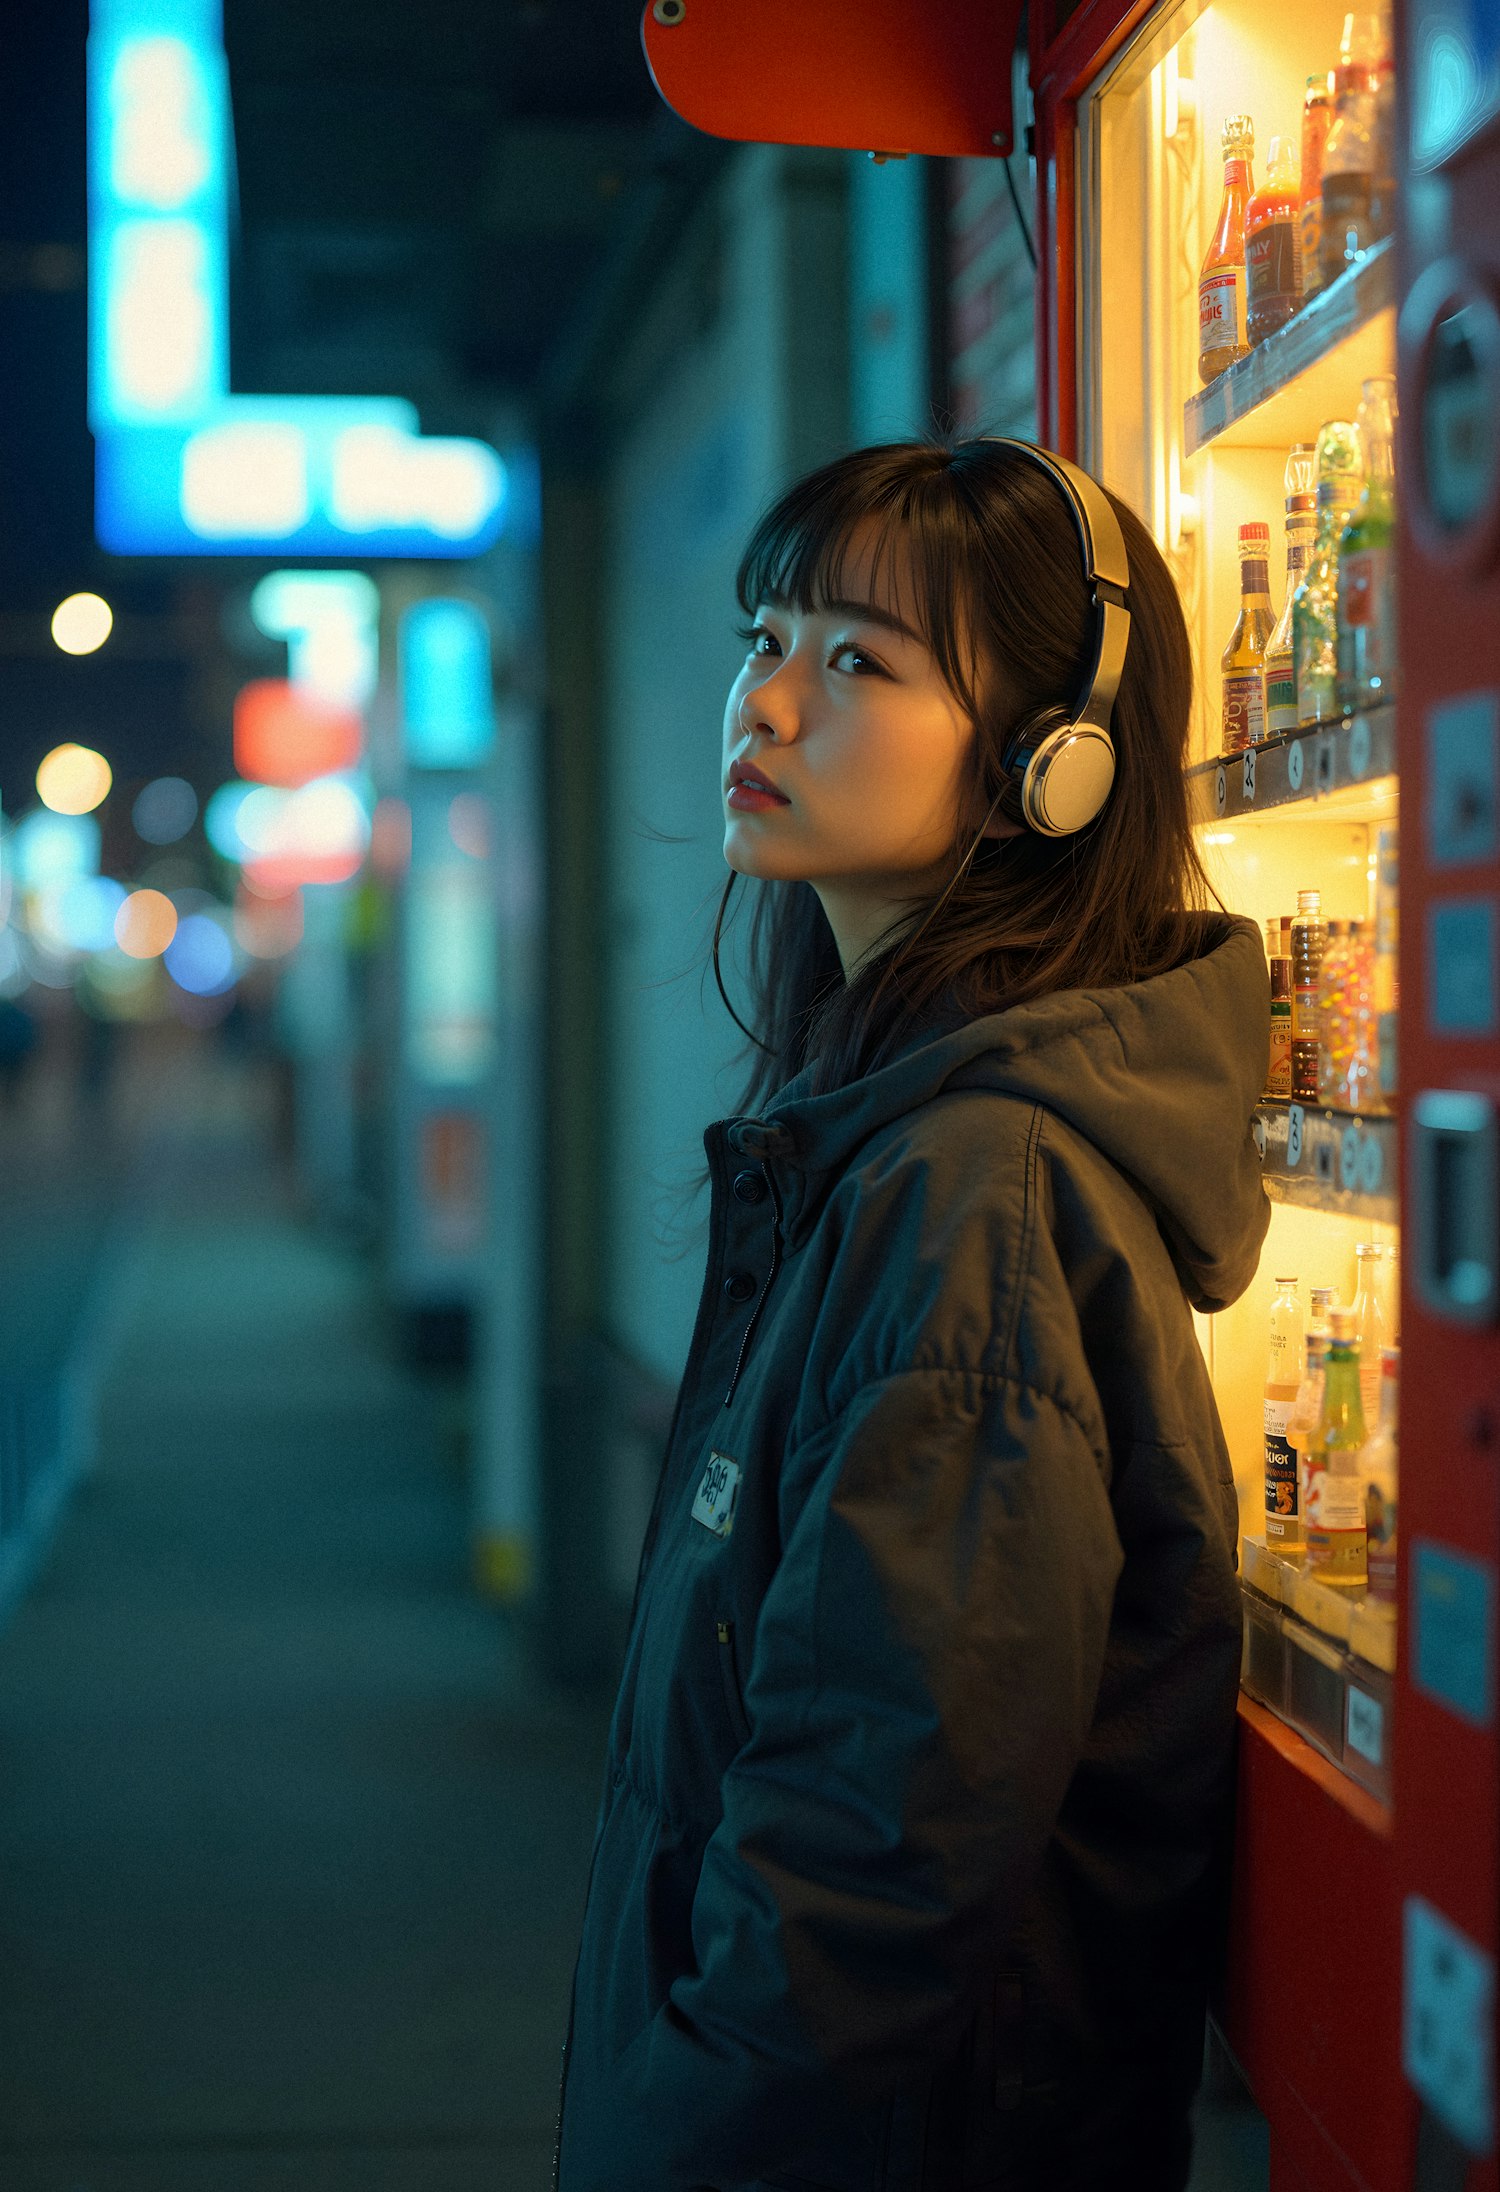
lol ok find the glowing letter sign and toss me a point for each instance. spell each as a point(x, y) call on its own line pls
point(184, 467)
point(447, 703)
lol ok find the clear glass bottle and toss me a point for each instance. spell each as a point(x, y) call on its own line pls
point(1309, 939)
point(1283, 1382)
point(1382, 1484)
point(1335, 1514)
point(1371, 1311)
point(1367, 560)
point(1221, 283)
point(1317, 120)
point(1306, 1410)
point(1243, 661)
point(1356, 199)
point(1315, 603)
point(1281, 664)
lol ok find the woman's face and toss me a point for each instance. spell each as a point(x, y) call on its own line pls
point(843, 709)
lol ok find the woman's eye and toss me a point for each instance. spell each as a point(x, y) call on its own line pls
point(759, 639)
point(861, 664)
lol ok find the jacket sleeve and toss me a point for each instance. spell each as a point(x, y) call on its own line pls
point(923, 1680)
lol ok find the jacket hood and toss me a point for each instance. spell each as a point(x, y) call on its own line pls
point(1162, 1076)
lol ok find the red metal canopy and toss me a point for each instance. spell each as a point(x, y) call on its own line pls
point(871, 75)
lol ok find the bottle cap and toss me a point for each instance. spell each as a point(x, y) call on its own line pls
point(1239, 137)
point(1341, 1324)
point(1323, 1295)
point(1255, 537)
point(1390, 1362)
point(1292, 1281)
point(1309, 901)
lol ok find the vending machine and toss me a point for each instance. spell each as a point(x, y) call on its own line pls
point(1268, 246)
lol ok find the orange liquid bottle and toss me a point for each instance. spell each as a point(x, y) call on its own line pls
point(1221, 284)
point(1317, 120)
point(1273, 250)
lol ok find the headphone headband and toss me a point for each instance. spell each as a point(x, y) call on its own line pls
point(1066, 769)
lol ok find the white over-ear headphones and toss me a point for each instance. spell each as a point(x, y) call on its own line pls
point(1064, 762)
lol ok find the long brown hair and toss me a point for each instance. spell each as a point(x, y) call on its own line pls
point(991, 556)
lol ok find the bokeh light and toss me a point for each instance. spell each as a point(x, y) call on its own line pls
point(469, 824)
point(145, 924)
point(200, 957)
point(82, 623)
point(165, 810)
point(221, 820)
point(267, 927)
point(73, 780)
point(79, 915)
point(390, 837)
point(51, 848)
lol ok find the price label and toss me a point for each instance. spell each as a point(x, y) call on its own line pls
point(1323, 763)
point(1349, 1151)
point(1359, 749)
point(1371, 1165)
point(1248, 777)
point(1323, 1160)
point(1294, 1116)
point(1221, 789)
point(1294, 765)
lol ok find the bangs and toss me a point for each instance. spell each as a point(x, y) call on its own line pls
point(909, 534)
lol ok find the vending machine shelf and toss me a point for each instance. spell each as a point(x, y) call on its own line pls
point(1281, 392)
point(1323, 1661)
point(1341, 770)
point(1323, 1158)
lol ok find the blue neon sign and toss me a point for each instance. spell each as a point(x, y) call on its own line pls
point(447, 699)
point(184, 467)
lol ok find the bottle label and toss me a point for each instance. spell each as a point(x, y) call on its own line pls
point(1335, 1502)
point(1310, 241)
point(1271, 267)
point(1279, 1069)
point(1219, 316)
point(1281, 1470)
point(1367, 600)
point(1281, 691)
point(1244, 709)
point(1305, 1022)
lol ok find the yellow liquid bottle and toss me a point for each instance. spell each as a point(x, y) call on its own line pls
point(1335, 1517)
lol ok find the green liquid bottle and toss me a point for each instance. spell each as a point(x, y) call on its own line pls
point(1367, 561)
point(1335, 1517)
point(1315, 603)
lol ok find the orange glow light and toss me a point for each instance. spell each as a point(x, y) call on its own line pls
point(145, 924)
point(284, 734)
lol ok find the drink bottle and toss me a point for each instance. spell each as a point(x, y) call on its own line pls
point(1243, 660)
point(1273, 281)
point(1221, 284)
point(1283, 1382)
point(1335, 1515)
point(1357, 191)
point(1317, 120)
point(1366, 645)
point(1279, 1065)
point(1315, 603)
point(1281, 668)
point(1309, 939)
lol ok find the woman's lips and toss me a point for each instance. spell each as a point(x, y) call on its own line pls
point(751, 798)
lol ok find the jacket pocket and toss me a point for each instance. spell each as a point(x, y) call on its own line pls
point(734, 1704)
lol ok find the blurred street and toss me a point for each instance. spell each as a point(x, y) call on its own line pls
point(291, 1858)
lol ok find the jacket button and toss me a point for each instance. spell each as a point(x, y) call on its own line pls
point(750, 1187)
point(739, 1286)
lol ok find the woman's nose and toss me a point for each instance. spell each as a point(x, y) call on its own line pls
point(769, 707)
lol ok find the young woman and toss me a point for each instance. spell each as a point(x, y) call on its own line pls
point(908, 1871)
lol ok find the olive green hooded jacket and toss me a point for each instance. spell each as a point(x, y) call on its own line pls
point(908, 1869)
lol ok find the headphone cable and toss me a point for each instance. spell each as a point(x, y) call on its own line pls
point(1015, 199)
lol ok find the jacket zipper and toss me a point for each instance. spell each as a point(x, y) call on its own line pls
point(739, 1719)
point(760, 1304)
point(562, 2083)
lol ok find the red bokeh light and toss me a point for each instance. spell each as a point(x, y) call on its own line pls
point(286, 735)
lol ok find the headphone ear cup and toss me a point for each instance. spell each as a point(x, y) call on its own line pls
point(1063, 770)
point(1029, 733)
